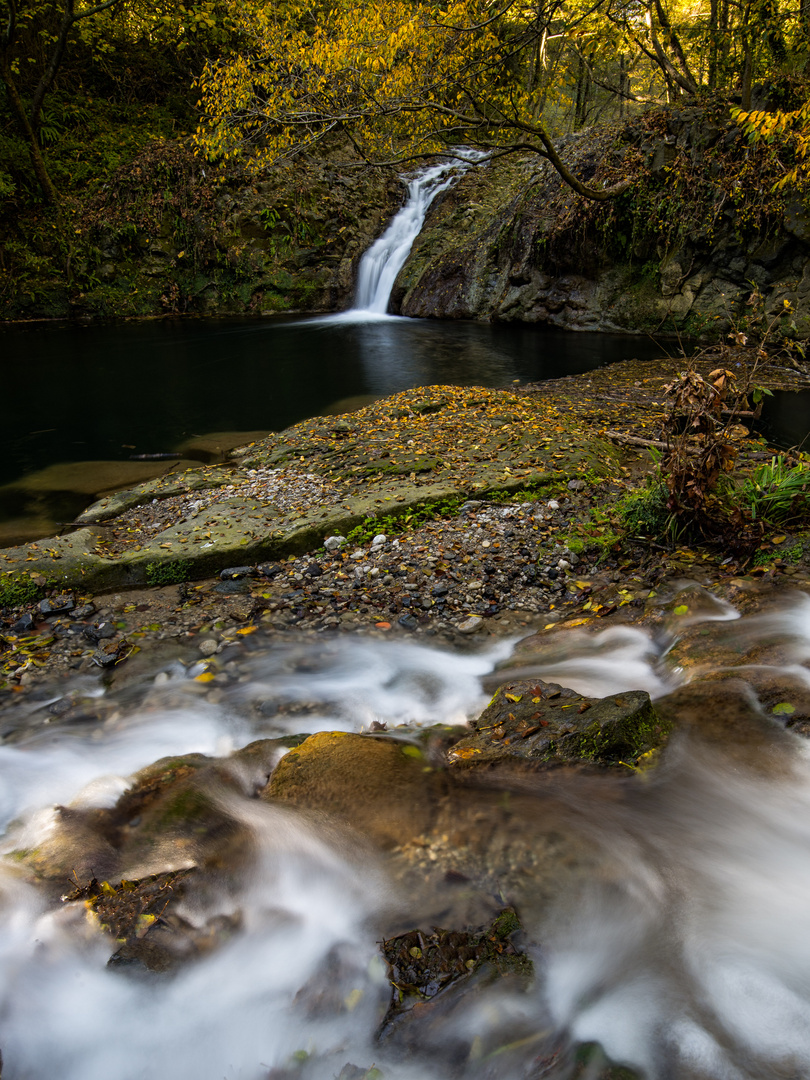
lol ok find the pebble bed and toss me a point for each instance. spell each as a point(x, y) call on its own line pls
point(284, 489)
point(490, 570)
point(448, 575)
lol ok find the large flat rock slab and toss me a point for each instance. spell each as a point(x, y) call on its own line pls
point(285, 494)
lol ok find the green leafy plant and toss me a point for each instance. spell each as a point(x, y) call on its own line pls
point(777, 493)
point(644, 511)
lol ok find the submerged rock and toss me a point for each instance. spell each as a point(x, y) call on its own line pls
point(423, 963)
point(550, 724)
point(381, 787)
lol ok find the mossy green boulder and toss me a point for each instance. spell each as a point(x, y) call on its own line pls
point(550, 724)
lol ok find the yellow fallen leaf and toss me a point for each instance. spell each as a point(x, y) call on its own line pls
point(206, 676)
point(247, 630)
point(464, 753)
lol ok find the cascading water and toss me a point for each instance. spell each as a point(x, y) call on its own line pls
point(675, 936)
point(385, 258)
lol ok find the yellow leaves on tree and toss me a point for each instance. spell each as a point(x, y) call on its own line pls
point(386, 72)
point(792, 129)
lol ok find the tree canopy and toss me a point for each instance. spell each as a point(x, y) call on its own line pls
point(402, 80)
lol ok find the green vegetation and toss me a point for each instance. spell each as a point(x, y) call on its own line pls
point(17, 589)
point(172, 572)
point(645, 511)
point(396, 524)
point(416, 516)
point(793, 554)
point(777, 493)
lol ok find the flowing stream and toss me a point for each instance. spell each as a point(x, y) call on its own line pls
point(675, 933)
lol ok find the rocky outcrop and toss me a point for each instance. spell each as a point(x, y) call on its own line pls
point(681, 252)
point(161, 238)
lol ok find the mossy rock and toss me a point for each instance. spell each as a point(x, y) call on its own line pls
point(383, 788)
point(549, 724)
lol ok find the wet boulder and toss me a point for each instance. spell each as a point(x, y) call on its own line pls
point(548, 724)
point(383, 788)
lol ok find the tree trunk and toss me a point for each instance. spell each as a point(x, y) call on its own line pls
point(714, 32)
point(747, 73)
point(34, 151)
point(581, 107)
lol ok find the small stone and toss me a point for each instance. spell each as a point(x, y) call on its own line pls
point(100, 631)
point(24, 625)
point(563, 564)
point(469, 626)
point(110, 654)
point(440, 590)
point(57, 605)
point(407, 621)
point(269, 570)
point(334, 543)
point(208, 647)
point(359, 554)
point(552, 504)
point(576, 485)
point(83, 612)
point(234, 573)
point(232, 588)
point(379, 540)
point(314, 570)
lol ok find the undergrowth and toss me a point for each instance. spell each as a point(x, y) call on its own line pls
point(168, 573)
point(17, 589)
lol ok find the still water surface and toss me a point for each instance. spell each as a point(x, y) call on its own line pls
point(105, 392)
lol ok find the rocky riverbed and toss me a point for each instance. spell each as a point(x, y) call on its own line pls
point(307, 712)
point(454, 513)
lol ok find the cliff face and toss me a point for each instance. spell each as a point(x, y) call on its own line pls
point(681, 252)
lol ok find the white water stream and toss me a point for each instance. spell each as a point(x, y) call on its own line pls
point(685, 949)
point(382, 262)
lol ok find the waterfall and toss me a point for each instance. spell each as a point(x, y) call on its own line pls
point(385, 258)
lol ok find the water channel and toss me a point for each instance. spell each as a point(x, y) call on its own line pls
point(665, 917)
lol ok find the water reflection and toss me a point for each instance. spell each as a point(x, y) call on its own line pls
point(395, 353)
point(144, 387)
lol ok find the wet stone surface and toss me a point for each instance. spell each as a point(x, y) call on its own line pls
point(549, 724)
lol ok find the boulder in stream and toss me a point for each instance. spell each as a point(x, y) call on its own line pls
point(384, 788)
point(549, 724)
